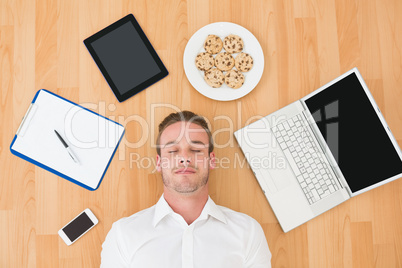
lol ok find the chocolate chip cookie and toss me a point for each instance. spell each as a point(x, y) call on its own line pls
point(204, 61)
point(214, 77)
point(213, 44)
point(233, 43)
point(234, 79)
point(224, 61)
point(244, 62)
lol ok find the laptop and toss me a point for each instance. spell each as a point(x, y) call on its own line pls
point(321, 150)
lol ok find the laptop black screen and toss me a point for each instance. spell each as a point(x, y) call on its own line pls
point(354, 133)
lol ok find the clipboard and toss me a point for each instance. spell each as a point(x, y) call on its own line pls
point(93, 138)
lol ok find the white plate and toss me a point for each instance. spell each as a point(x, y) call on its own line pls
point(196, 77)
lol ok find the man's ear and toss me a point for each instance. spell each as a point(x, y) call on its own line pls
point(158, 163)
point(212, 160)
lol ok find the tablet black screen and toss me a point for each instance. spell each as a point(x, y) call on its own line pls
point(125, 57)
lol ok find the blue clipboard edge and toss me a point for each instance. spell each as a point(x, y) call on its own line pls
point(55, 171)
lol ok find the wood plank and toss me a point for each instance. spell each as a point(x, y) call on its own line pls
point(362, 244)
point(48, 251)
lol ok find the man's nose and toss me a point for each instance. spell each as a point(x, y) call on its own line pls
point(185, 159)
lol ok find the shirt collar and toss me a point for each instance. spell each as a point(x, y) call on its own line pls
point(213, 210)
point(162, 209)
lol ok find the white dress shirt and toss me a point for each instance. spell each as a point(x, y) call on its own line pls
point(159, 237)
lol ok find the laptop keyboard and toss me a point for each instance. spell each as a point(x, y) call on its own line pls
point(306, 160)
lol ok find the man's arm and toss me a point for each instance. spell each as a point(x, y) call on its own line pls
point(112, 252)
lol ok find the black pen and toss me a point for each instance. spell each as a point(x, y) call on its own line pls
point(67, 147)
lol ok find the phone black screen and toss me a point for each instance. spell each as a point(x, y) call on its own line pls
point(78, 226)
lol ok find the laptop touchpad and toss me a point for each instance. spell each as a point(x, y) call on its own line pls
point(266, 157)
point(272, 163)
point(279, 179)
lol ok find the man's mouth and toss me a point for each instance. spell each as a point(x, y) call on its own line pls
point(187, 170)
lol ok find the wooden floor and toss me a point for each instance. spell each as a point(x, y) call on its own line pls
point(306, 44)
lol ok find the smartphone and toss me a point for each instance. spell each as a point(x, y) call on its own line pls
point(76, 228)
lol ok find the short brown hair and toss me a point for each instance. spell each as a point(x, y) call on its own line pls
point(184, 116)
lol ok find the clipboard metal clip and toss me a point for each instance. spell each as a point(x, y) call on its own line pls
point(27, 119)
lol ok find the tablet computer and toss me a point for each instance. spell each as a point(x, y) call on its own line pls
point(125, 57)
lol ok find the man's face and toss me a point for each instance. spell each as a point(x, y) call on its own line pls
point(184, 160)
